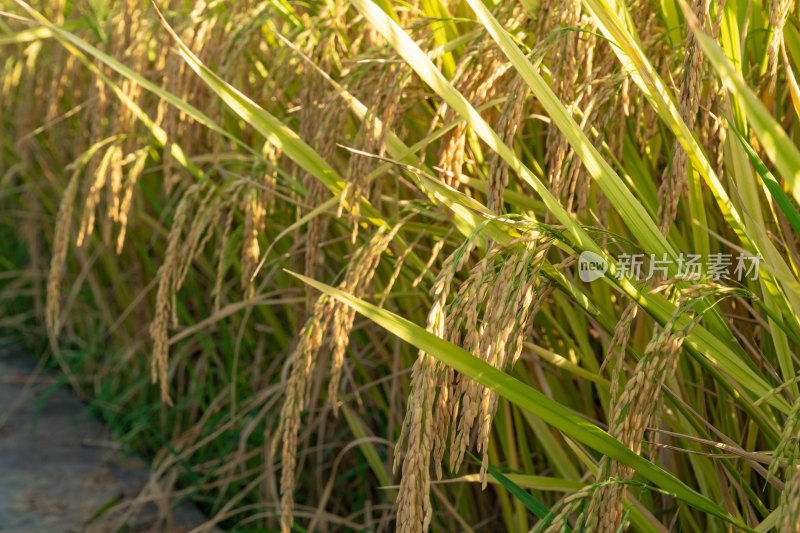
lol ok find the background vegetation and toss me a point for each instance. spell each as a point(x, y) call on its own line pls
point(180, 195)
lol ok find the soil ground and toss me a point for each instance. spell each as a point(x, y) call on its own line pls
point(61, 470)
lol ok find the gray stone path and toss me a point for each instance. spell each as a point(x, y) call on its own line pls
point(61, 471)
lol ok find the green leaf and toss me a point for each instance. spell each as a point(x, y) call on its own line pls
point(775, 189)
point(531, 503)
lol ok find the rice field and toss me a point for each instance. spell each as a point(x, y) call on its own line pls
point(442, 265)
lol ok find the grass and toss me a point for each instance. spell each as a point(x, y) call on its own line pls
point(321, 262)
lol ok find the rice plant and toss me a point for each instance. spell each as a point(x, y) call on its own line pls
point(418, 266)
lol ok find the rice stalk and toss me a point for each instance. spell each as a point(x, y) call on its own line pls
point(778, 12)
point(329, 324)
point(59, 256)
point(632, 410)
point(676, 182)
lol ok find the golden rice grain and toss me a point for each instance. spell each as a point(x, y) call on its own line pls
point(59, 256)
point(254, 213)
point(140, 158)
point(632, 410)
point(93, 196)
point(164, 302)
point(510, 119)
point(676, 181)
point(778, 12)
point(330, 322)
point(569, 504)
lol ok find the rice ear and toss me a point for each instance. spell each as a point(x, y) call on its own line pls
point(329, 324)
point(59, 255)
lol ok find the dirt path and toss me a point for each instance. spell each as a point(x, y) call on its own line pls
point(60, 470)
